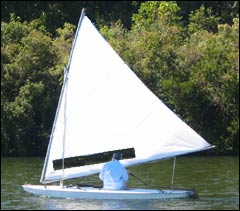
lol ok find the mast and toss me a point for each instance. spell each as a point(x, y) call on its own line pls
point(65, 125)
point(62, 95)
point(65, 103)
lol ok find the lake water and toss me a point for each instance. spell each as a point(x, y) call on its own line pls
point(216, 178)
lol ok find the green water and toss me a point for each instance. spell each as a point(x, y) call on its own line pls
point(215, 178)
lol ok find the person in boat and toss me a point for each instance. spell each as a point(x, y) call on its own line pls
point(113, 174)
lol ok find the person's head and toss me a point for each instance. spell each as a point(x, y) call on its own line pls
point(117, 156)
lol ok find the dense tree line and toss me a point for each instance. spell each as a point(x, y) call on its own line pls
point(56, 13)
point(185, 52)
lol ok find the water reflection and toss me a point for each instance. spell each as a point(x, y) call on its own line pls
point(86, 204)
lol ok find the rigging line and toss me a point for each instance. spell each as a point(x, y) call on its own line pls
point(131, 174)
point(173, 172)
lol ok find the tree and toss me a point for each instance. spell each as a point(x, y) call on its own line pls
point(32, 69)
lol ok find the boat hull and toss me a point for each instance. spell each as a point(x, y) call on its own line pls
point(99, 193)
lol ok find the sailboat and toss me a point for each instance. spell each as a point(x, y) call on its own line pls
point(105, 108)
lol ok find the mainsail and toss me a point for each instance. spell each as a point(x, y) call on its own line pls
point(105, 107)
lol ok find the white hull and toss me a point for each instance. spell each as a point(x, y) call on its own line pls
point(98, 193)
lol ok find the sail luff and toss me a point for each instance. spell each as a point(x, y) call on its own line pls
point(53, 128)
point(75, 38)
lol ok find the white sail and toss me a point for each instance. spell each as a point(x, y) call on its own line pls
point(105, 107)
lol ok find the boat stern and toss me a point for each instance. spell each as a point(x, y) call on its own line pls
point(193, 194)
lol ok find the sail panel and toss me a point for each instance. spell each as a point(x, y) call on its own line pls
point(106, 107)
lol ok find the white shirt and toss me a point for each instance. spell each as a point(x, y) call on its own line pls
point(113, 175)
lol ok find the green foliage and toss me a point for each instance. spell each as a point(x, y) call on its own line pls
point(156, 12)
point(32, 66)
point(186, 53)
point(212, 68)
point(203, 19)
